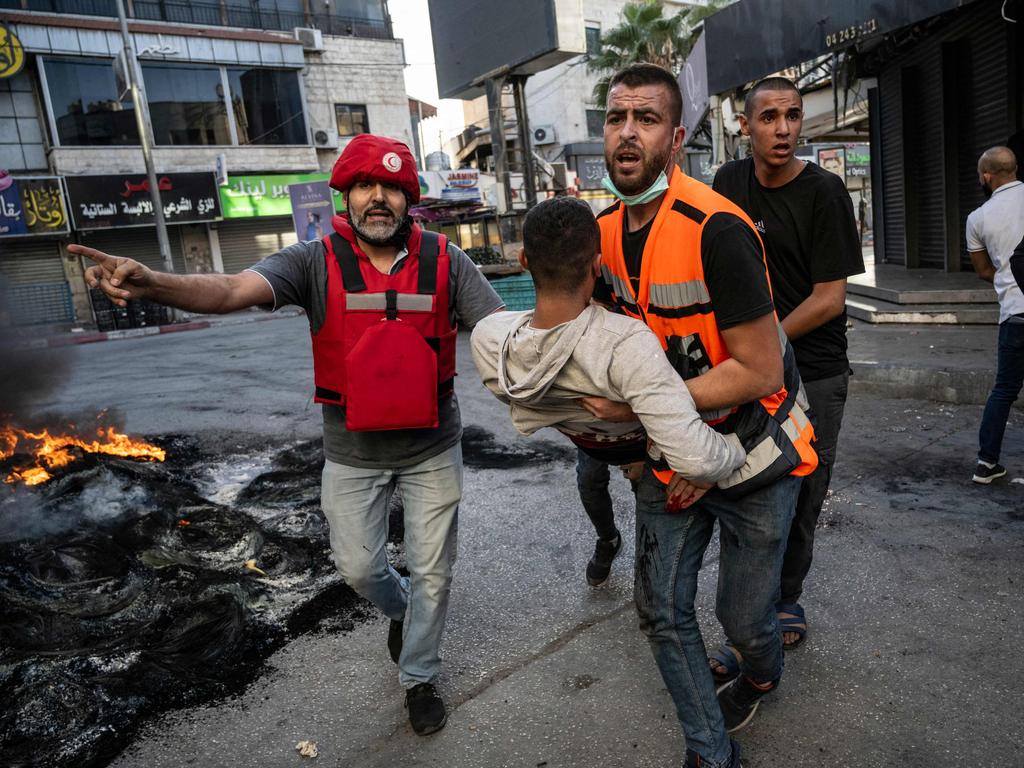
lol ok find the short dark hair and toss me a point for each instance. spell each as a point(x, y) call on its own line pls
point(644, 73)
point(769, 84)
point(561, 238)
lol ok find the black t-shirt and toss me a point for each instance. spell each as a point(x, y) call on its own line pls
point(810, 236)
point(733, 264)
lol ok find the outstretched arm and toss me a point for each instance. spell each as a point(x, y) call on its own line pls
point(123, 279)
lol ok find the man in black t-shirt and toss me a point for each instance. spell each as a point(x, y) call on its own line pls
point(805, 217)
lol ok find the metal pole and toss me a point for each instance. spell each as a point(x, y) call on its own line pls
point(525, 139)
point(496, 116)
point(145, 138)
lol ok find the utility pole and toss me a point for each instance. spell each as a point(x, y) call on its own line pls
point(493, 87)
point(525, 139)
point(134, 76)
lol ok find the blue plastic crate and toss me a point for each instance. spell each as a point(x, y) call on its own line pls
point(517, 292)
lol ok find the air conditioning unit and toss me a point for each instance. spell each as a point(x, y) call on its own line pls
point(325, 139)
point(311, 39)
point(544, 134)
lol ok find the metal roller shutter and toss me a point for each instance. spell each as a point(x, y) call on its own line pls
point(890, 94)
point(985, 120)
point(37, 291)
point(31, 261)
point(924, 154)
point(137, 243)
point(243, 242)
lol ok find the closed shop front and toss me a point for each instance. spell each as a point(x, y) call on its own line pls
point(33, 221)
point(139, 243)
point(32, 272)
point(243, 242)
point(943, 101)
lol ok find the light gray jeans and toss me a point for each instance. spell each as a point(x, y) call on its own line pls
point(355, 502)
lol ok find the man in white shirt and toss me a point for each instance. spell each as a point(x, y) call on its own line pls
point(993, 231)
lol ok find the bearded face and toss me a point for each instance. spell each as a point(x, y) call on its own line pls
point(638, 136)
point(376, 211)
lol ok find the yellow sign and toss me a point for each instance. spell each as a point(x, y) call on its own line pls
point(12, 55)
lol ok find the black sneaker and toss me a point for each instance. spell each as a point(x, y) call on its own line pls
point(600, 565)
point(395, 639)
point(693, 760)
point(426, 710)
point(985, 474)
point(739, 700)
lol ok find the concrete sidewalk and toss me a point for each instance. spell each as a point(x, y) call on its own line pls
point(945, 363)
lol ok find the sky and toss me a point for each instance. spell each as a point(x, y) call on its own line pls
point(411, 22)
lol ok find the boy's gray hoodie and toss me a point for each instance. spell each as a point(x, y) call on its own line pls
point(541, 374)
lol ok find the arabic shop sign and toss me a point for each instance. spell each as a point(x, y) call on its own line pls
point(12, 54)
point(104, 202)
point(248, 196)
point(32, 205)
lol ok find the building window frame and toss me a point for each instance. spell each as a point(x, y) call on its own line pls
point(41, 62)
point(587, 112)
point(593, 48)
point(349, 107)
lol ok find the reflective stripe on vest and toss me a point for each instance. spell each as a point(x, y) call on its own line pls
point(404, 302)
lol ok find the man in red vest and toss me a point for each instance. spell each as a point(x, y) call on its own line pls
point(383, 297)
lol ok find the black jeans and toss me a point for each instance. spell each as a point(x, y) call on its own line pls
point(592, 479)
point(828, 400)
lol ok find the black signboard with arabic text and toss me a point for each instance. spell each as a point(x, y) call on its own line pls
point(104, 202)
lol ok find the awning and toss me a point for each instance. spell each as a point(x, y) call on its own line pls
point(754, 38)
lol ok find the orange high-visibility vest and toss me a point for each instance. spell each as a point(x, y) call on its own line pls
point(674, 302)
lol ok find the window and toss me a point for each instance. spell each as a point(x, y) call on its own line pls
point(267, 106)
point(351, 119)
point(86, 110)
point(186, 105)
point(593, 41)
point(595, 122)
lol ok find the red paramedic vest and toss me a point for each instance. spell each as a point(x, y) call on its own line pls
point(386, 350)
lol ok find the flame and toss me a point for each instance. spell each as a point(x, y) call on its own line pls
point(53, 451)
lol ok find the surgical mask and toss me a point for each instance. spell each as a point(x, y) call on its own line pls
point(659, 186)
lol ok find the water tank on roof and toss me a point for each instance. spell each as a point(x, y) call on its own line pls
point(438, 161)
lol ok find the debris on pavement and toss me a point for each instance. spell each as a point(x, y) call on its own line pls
point(307, 748)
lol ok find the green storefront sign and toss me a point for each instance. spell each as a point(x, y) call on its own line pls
point(248, 196)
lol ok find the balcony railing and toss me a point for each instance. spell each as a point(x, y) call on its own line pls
point(216, 14)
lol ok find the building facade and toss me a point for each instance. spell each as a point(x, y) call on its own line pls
point(245, 98)
point(566, 122)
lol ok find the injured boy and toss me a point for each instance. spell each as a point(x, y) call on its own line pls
point(542, 362)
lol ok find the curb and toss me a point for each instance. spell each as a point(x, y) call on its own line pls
point(92, 337)
point(957, 387)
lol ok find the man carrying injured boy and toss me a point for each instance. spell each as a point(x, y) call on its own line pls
point(542, 362)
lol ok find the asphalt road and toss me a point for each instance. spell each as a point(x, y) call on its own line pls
point(915, 601)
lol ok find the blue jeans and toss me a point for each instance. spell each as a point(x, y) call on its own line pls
point(1009, 378)
point(355, 502)
point(669, 552)
point(592, 478)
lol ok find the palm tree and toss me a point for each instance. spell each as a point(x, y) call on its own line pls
point(646, 35)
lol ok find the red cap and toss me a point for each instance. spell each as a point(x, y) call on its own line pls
point(375, 158)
